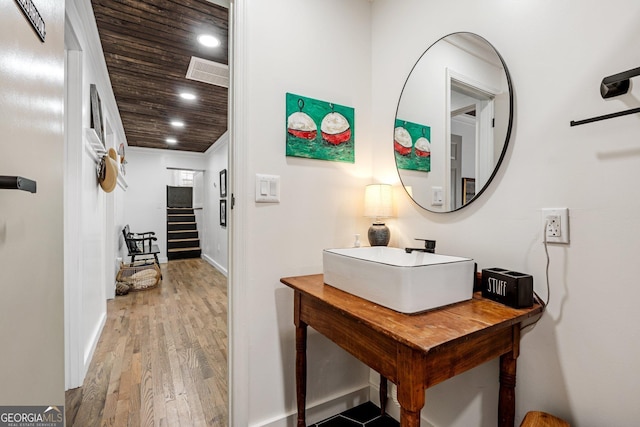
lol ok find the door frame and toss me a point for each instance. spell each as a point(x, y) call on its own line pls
point(73, 152)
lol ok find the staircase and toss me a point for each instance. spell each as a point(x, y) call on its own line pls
point(182, 234)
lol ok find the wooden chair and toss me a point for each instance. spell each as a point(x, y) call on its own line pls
point(141, 244)
point(542, 419)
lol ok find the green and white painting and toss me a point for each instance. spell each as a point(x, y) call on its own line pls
point(319, 130)
point(412, 146)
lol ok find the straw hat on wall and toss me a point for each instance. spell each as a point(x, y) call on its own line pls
point(108, 171)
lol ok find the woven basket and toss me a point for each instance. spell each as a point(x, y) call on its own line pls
point(140, 276)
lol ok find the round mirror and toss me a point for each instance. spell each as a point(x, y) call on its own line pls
point(453, 122)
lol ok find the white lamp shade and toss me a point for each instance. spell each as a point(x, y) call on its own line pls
point(378, 201)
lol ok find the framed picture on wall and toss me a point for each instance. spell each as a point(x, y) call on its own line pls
point(223, 183)
point(96, 113)
point(223, 213)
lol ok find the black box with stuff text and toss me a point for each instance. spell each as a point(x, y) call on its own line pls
point(507, 287)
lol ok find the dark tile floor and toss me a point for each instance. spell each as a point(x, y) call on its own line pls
point(366, 414)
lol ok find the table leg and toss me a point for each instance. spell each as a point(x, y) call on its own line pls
point(383, 395)
point(411, 376)
point(409, 418)
point(507, 398)
point(301, 372)
point(507, 402)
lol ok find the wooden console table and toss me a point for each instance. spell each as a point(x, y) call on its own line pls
point(413, 351)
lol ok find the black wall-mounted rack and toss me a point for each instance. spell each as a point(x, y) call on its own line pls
point(604, 117)
point(17, 183)
point(618, 84)
point(615, 85)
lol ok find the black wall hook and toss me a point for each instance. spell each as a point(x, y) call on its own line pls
point(617, 84)
point(17, 183)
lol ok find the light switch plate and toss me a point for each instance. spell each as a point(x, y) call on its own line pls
point(436, 196)
point(267, 188)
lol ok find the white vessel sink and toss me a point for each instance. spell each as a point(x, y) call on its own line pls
point(405, 282)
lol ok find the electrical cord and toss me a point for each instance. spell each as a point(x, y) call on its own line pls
point(544, 304)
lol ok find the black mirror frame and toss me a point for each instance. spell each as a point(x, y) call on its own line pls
point(509, 125)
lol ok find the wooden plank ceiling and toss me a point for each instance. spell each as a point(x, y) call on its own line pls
point(148, 45)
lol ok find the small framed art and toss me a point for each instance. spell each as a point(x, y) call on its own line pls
point(223, 183)
point(223, 213)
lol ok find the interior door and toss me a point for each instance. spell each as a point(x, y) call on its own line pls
point(31, 224)
point(456, 167)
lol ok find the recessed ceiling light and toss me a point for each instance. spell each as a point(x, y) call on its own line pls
point(177, 124)
point(208, 40)
point(171, 140)
point(188, 96)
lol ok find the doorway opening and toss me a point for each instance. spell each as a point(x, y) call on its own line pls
point(470, 125)
point(185, 205)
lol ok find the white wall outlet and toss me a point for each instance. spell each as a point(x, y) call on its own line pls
point(556, 224)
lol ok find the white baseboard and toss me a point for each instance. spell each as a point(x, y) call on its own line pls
point(91, 347)
point(393, 407)
point(319, 411)
point(215, 265)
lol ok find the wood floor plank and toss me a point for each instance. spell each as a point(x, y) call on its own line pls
point(162, 358)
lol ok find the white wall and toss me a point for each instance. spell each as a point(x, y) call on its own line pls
point(31, 225)
point(93, 218)
point(580, 361)
point(214, 237)
point(320, 49)
point(145, 202)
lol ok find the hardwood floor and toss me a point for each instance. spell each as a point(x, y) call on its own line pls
point(162, 356)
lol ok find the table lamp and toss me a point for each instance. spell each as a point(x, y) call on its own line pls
point(378, 204)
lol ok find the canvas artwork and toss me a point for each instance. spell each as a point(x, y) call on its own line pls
point(412, 146)
point(319, 130)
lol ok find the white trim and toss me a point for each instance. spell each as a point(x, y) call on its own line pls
point(320, 410)
point(465, 119)
point(80, 13)
point(485, 164)
point(122, 182)
point(215, 265)
point(223, 3)
point(489, 91)
point(93, 145)
point(484, 128)
point(216, 146)
point(92, 344)
point(73, 147)
point(446, 195)
point(86, 61)
point(238, 184)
